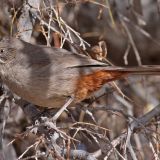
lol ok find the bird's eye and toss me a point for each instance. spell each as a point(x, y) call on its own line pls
point(2, 50)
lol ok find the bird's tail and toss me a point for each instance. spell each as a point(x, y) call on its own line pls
point(141, 70)
point(88, 83)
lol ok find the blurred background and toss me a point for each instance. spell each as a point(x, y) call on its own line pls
point(131, 33)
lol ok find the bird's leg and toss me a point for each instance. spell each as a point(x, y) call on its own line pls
point(62, 109)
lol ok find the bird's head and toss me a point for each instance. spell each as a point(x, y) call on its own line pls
point(7, 50)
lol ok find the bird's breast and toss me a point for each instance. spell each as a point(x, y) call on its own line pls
point(44, 88)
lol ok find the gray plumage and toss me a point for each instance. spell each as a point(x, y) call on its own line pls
point(44, 75)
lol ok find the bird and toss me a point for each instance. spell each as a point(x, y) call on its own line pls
point(47, 76)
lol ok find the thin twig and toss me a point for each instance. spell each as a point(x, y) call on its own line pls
point(125, 57)
point(62, 109)
point(132, 43)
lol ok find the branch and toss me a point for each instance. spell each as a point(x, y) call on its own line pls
point(26, 20)
point(135, 125)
